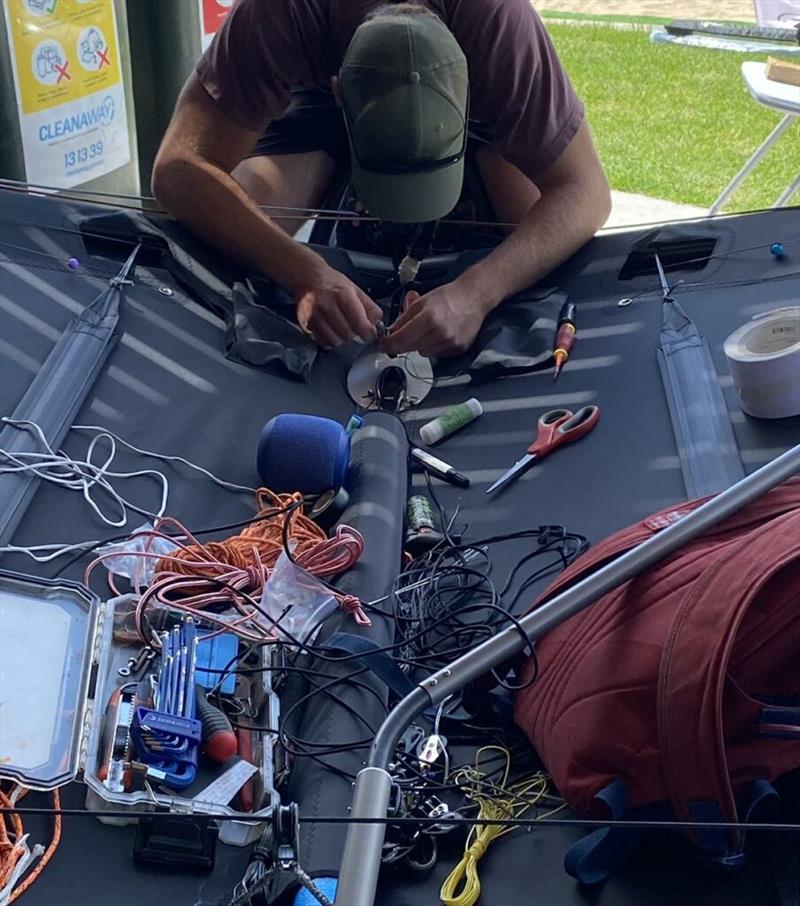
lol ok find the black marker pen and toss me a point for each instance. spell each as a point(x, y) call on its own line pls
point(438, 468)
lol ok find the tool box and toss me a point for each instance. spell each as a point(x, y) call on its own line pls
point(59, 665)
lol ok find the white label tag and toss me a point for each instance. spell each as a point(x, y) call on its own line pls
point(224, 788)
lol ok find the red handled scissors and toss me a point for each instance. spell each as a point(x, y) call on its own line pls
point(556, 428)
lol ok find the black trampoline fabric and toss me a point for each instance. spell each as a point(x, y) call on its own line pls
point(169, 388)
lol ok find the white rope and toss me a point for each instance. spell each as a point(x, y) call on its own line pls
point(228, 485)
point(92, 476)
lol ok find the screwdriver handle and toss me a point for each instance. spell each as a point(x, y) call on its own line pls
point(565, 335)
point(567, 314)
point(219, 740)
point(565, 340)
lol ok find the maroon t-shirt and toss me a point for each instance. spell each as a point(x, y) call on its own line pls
point(518, 88)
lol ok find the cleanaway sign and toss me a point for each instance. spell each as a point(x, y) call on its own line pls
point(70, 94)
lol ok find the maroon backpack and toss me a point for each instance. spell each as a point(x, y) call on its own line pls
point(677, 695)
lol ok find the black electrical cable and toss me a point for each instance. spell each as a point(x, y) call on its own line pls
point(292, 744)
point(325, 688)
point(442, 514)
point(471, 580)
point(452, 614)
point(447, 596)
point(318, 651)
point(631, 824)
point(447, 655)
point(439, 620)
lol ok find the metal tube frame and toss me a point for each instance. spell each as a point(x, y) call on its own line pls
point(751, 164)
point(786, 196)
point(358, 876)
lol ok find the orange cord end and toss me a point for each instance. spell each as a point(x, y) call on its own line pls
point(11, 852)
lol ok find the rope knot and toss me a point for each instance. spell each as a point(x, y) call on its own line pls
point(478, 849)
point(255, 576)
point(352, 605)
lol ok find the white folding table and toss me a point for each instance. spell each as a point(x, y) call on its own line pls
point(778, 96)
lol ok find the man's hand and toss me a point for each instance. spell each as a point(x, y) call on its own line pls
point(444, 322)
point(334, 310)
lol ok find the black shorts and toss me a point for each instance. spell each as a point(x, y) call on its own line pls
point(315, 122)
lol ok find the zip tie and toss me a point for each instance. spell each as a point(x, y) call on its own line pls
point(29, 856)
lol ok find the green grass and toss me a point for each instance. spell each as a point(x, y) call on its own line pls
point(674, 122)
point(621, 17)
point(607, 17)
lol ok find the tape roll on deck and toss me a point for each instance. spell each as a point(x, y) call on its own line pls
point(764, 359)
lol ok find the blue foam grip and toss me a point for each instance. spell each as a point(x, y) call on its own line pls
point(303, 453)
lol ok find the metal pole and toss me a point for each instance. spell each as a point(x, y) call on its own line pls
point(371, 795)
point(768, 142)
point(786, 196)
point(359, 870)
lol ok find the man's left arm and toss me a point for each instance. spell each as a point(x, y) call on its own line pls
point(575, 203)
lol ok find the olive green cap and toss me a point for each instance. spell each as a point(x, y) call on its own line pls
point(405, 92)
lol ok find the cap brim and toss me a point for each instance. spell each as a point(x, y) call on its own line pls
point(409, 197)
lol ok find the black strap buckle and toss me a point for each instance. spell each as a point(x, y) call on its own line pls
point(176, 840)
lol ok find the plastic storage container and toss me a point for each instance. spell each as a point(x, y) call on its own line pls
point(58, 669)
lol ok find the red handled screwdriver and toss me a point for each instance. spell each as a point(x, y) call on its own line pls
point(566, 334)
point(219, 740)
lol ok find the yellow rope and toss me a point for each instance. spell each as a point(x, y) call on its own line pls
point(494, 800)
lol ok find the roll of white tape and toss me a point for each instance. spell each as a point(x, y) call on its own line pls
point(764, 358)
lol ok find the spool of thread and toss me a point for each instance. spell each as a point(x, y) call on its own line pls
point(764, 358)
point(421, 534)
point(449, 422)
point(303, 453)
point(419, 514)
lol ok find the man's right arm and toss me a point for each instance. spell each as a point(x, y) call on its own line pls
point(191, 179)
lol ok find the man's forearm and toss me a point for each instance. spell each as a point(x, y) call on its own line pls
point(213, 205)
point(566, 217)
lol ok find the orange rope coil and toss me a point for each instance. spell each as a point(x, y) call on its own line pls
point(260, 544)
point(194, 578)
point(13, 847)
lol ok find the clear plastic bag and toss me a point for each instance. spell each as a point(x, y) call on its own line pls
point(130, 564)
point(297, 601)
